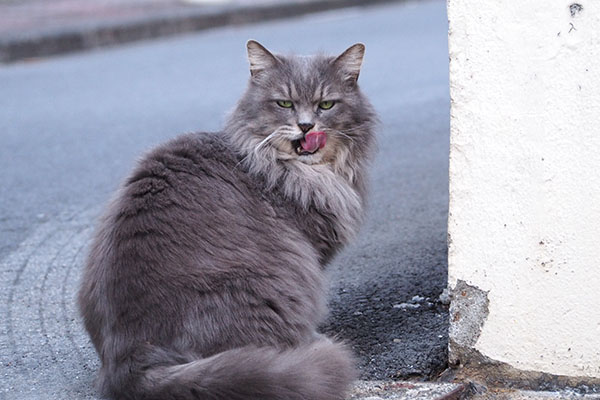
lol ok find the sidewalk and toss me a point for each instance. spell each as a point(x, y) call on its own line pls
point(38, 28)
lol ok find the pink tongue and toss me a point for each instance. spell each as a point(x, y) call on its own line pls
point(313, 141)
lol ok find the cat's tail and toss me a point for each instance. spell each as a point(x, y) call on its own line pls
point(321, 370)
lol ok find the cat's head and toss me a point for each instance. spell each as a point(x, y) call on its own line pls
point(306, 109)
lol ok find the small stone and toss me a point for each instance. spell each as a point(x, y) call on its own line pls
point(405, 306)
point(445, 297)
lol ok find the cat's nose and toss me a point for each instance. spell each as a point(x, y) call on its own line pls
point(305, 126)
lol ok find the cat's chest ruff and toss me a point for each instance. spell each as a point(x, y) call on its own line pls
point(324, 196)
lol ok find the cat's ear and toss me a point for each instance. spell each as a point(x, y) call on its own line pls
point(350, 61)
point(259, 57)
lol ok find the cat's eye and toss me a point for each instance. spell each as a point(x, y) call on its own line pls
point(326, 105)
point(285, 103)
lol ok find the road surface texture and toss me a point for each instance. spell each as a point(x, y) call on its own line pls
point(72, 127)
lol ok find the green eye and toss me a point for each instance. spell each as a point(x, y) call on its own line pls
point(326, 105)
point(285, 103)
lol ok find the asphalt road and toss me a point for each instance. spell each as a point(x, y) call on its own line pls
point(72, 127)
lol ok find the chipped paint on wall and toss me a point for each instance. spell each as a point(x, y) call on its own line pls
point(468, 312)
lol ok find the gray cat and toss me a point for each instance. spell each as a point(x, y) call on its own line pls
point(205, 279)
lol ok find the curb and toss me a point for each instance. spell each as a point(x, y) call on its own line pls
point(159, 24)
point(407, 390)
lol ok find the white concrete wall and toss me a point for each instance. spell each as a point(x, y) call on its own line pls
point(525, 177)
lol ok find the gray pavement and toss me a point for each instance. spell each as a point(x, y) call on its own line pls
point(71, 128)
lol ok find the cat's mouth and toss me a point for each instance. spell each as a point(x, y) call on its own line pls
point(310, 143)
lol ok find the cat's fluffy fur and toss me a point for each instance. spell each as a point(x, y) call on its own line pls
point(205, 278)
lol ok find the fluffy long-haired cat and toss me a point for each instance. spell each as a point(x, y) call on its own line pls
point(205, 279)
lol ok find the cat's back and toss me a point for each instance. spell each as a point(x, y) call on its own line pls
point(189, 196)
point(175, 173)
point(188, 221)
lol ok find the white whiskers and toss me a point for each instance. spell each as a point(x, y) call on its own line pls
point(327, 130)
point(265, 141)
point(254, 150)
